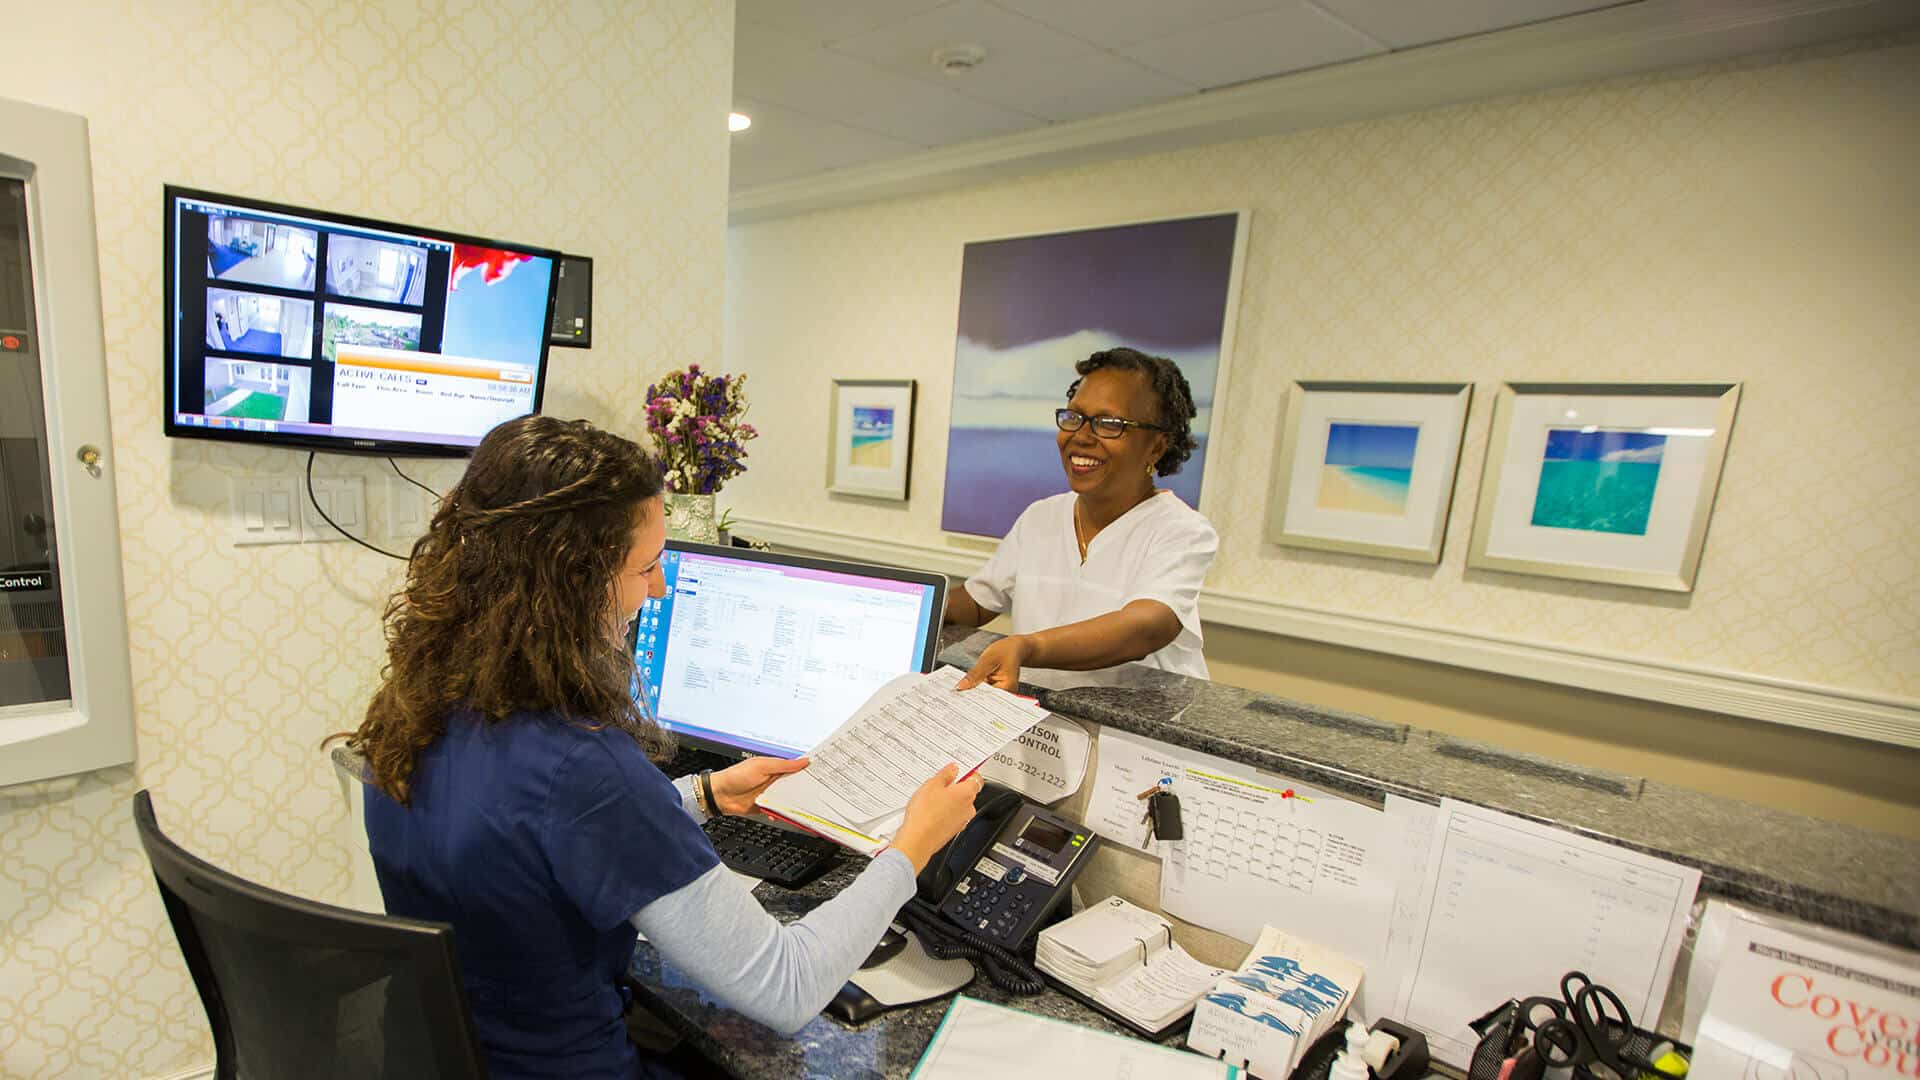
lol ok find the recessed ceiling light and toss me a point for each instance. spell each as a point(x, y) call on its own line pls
point(737, 121)
point(958, 59)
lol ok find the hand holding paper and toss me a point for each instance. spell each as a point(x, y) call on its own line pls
point(863, 774)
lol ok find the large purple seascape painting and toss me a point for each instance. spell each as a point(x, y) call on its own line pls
point(1031, 307)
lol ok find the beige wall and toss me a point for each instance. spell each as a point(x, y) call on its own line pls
point(589, 125)
point(1754, 220)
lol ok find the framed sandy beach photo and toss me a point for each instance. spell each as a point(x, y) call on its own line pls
point(1368, 468)
point(1608, 482)
point(870, 441)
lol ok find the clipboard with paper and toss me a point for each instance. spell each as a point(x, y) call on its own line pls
point(856, 789)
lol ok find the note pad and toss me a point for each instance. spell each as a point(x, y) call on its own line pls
point(1122, 960)
point(978, 1039)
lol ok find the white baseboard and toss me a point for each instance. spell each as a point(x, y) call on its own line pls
point(1881, 718)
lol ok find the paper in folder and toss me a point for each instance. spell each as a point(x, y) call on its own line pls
point(856, 790)
point(1124, 959)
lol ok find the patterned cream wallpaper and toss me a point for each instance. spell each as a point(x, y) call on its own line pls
point(1755, 221)
point(587, 125)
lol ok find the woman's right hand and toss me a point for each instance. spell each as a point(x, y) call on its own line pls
point(935, 815)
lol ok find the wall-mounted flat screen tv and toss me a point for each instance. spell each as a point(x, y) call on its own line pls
point(323, 331)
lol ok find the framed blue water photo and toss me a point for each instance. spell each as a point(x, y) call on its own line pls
point(1609, 482)
point(1367, 468)
point(1033, 306)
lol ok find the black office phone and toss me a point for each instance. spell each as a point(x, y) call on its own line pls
point(996, 885)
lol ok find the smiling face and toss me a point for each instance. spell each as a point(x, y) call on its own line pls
point(1113, 467)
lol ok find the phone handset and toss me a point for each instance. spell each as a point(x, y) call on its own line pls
point(993, 887)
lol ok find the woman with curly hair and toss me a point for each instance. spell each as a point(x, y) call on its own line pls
point(511, 792)
point(1110, 571)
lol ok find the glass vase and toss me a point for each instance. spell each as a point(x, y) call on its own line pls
point(691, 517)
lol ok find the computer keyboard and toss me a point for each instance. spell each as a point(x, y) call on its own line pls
point(786, 858)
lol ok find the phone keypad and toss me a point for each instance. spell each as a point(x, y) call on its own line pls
point(993, 909)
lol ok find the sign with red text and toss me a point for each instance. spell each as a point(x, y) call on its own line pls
point(1793, 1006)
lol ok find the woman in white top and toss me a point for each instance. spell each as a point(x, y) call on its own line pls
point(1110, 571)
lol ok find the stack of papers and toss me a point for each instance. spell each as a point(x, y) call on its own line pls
point(1287, 994)
point(1124, 959)
point(856, 790)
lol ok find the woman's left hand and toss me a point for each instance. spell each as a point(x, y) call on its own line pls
point(736, 787)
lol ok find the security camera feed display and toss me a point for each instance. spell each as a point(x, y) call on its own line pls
point(259, 324)
point(288, 322)
point(250, 251)
point(350, 325)
point(253, 390)
point(368, 269)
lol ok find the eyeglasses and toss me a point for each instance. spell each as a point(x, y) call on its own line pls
point(1107, 427)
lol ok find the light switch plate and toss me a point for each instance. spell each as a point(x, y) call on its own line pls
point(265, 510)
point(408, 509)
point(345, 500)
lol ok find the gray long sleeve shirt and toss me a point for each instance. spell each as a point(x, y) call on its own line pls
point(714, 930)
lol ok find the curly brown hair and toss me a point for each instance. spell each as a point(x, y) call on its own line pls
point(508, 598)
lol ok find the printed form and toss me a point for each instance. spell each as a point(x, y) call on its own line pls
point(1511, 905)
point(1253, 853)
point(863, 774)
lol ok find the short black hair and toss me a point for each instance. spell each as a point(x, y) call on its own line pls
point(1169, 385)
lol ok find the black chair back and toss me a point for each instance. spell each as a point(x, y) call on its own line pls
point(308, 991)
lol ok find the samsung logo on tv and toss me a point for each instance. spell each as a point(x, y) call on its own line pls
point(363, 442)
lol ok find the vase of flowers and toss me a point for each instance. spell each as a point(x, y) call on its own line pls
point(696, 421)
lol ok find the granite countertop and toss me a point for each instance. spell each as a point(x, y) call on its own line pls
point(1835, 875)
point(888, 1046)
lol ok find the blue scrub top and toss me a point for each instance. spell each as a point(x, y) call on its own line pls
point(537, 839)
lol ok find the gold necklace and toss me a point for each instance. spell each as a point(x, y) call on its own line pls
point(1078, 538)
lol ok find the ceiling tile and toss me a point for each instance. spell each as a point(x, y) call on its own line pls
point(1078, 86)
point(817, 21)
point(1293, 37)
point(1011, 41)
point(1403, 25)
point(783, 144)
point(1111, 23)
point(772, 67)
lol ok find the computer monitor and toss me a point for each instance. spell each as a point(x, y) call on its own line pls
point(325, 331)
point(751, 652)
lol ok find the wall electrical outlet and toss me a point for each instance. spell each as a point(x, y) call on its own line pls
point(266, 510)
point(344, 498)
point(408, 509)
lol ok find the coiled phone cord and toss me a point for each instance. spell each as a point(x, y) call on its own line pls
point(946, 941)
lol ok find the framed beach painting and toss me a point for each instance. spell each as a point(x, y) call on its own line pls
point(870, 440)
point(1609, 482)
point(1033, 306)
point(1368, 468)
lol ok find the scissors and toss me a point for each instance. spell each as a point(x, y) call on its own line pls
point(1589, 1025)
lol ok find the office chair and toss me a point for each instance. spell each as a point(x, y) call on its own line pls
point(308, 991)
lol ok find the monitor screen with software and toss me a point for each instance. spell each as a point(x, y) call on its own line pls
point(751, 652)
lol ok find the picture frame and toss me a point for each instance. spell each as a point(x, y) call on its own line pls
point(1606, 482)
point(1032, 306)
point(1369, 468)
point(870, 438)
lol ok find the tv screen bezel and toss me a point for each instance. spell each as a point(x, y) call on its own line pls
point(339, 444)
